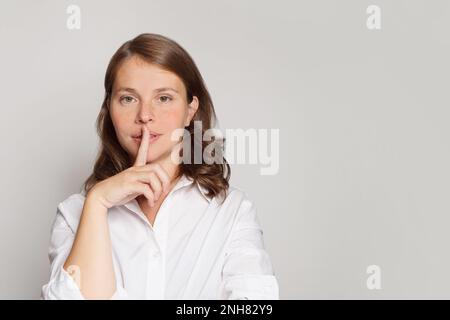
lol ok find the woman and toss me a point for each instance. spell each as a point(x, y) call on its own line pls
point(148, 225)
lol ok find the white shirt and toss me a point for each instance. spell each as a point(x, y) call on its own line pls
point(197, 248)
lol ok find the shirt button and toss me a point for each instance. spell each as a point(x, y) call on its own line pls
point(156, 254)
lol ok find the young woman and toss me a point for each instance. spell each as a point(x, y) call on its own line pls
point(147, 225)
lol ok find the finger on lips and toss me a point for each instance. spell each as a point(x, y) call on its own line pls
point(141, 157)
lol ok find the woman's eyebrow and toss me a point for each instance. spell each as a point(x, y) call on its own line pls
point(127, 89)
point(166, 89)
point(156, 90)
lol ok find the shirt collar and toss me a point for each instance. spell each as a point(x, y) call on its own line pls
point(203, 191)
point(184, 181)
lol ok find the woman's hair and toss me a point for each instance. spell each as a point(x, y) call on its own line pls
point(170, 56)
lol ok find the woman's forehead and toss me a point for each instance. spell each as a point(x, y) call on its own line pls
point(145, 77)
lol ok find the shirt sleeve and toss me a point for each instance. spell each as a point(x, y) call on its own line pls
point(247, 272)
point(61, 285)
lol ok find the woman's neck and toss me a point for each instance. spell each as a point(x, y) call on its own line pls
point(172, 169)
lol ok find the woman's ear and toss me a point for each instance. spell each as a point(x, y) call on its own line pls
point(192, 109)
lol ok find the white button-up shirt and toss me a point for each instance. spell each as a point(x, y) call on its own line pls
point(197, 248)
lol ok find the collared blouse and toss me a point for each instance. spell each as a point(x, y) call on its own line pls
point(197, 248)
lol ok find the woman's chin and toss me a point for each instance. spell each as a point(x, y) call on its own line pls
point(155, 157)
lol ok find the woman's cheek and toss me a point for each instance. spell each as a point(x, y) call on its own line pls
point(120, 124)
point(174, 119)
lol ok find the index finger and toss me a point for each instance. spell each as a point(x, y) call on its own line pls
point(141, 157)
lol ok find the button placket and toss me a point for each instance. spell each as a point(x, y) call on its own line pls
point(155, 279)
point(160, 232)
point(157, 241)
point(156, 254)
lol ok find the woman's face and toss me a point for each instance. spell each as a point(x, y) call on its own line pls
point(145, 94)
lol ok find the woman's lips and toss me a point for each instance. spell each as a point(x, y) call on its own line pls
point(153, 138)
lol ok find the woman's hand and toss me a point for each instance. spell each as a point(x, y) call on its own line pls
point(150, 180)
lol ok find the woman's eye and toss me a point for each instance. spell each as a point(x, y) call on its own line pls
point(126, 99)
point(165, 99)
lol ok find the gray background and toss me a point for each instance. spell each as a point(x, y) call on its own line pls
point(364, 151)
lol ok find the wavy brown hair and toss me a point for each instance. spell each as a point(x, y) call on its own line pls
point(168, 55)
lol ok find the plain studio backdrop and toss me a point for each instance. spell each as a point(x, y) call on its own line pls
point(363, 116)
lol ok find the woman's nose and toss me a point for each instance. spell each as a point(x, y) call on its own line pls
point(146, 113)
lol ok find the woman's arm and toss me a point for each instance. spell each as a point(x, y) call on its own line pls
point(247, 271)
point(91, 253)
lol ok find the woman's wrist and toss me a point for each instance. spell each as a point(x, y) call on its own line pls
point(95, 203)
